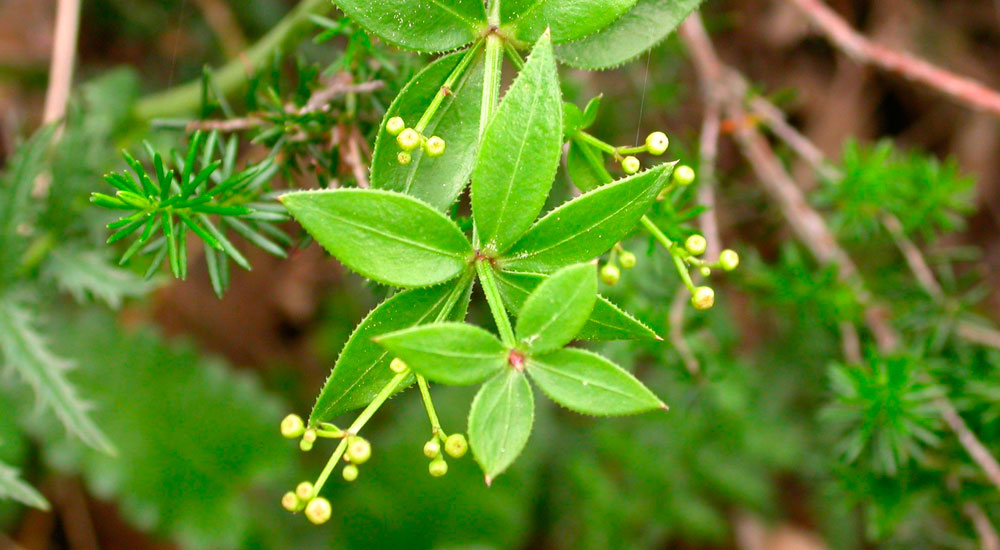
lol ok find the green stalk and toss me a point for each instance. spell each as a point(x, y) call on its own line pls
point(446, 87)
point(492, 291)
point(491, 83)
point(187, 97)
point(425, 394)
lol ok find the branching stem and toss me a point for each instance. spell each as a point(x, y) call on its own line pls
point(492, 291)
point(445, 89)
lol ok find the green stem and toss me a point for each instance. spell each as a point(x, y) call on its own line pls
point(513, 55)
point(493, 17)
point(492, 291)
point(187, 97)
point(591, 140)
point(672, 249)
point(425, 394)
point(446, 87)
point(491, 82)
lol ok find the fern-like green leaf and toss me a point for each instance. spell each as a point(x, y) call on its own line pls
point(84, 273)
point(12, 487)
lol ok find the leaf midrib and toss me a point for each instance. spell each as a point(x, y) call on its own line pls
point(539, 364)
point(564, 307)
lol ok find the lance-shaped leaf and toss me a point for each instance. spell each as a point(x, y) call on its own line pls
point(500, 421)
point(588, 225)
point(449, 353)
point(558, 308)
point(519, 153)
point(363, 366)
point(526, 20)
point(438, 181)
point(388, 237)
point(590, 384)
point(23, 350)
point(638, 30)
point(606, 322)
point(422, 25)
point(12, 487)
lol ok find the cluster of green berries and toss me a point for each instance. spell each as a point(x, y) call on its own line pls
point(303, 498)
point(409, 139)
point(610, 273)
point(703, 297)
point(656, 144)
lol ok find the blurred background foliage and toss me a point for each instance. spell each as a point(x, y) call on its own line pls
point(773, 440)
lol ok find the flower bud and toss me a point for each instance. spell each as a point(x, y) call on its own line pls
point(610, 274)
point(657, 143)
point(408, 139)
point(308, 438)
point(292, 426)
point(438, 467)
point(432, 448)
point(304, 490)
point(627, 260)
point(395, 125)
point(456, 446)
point(729, 259)
point(398, 366)
point(434, 146)
point(290, 502)
point(404, 158)
point(705, 271)
point(319, 511)
point(350, 473)
point(684, 175)
point(631, 164)
point(696, 244)
point(359, 450)
point(703, 297)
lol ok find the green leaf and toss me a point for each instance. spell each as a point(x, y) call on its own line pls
point(590, 384)
point(24, 351)
point(585, 165)
point(607, 321)
point(639, 29)
point(16, 184)
point(558, 308)
point(83, 272)
point(519, 154)
point(422, 25)
point(363, 366)
point(438, 181)
point(12, 487)
point(526, 20)
point(587, 226)
point(500, 421)
point(449, 353)
point(388, 237)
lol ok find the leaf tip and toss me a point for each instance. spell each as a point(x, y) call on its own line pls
point(488, 480)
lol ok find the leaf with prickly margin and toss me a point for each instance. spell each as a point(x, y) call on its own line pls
point(557, 309)
point(16, 184)
point(421, 25)
point(85, 273)
point(500, 421)
point(526, 20)
point(448, 353)
point(12, 487)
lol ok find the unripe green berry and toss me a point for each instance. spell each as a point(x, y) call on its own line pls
point(456, 446)
point(696, 244)
point(705, 271)
point(304, 490)
point(290, 502)
point(729, 259)
point(319, 511)
point(631, 164)
point(308, 438)
point(395, 125)
point(408, 139)
point(438, 467)
point(292, 426)
point(610, 274)
point(684, 175)
point(398, 366)
point(432, 448)
point(657, 143)
point(404, 158)
point(350, 473)
point(627, 260)
point(434, 146)
point(703, 298)
point(359, 450)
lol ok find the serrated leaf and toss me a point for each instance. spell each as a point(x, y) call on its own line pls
point(557, 309)
point(23, 350)
point(587, 226)
point(363, 366)
point(422, 25)
point(85, 273)
point(12, 487)
point(519, 154)
point(585, 166)
point(526, 20)
point(500, 421)
point(606, 322)
point(448, 353)
point(639, 29)
point(16, 184)
point(590, 384)
point(438, 181)
point(388, 237)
